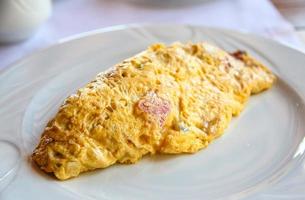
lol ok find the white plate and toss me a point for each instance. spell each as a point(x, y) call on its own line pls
point(261, 155)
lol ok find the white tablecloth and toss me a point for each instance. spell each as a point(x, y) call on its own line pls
point(75, 16)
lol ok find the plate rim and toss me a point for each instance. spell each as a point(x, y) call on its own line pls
point(119, 27)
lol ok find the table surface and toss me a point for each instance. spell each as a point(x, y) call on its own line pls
point(294, 12)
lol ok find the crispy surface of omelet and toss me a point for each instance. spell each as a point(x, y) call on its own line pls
point(168, 99)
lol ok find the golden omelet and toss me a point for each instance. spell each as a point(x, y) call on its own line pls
point(167, 99)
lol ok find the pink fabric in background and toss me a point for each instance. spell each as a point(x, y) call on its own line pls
point(75, 16)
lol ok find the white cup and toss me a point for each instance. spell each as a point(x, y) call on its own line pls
point(19, 19)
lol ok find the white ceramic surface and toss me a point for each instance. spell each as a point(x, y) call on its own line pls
point(19, 19)
point(261, 155)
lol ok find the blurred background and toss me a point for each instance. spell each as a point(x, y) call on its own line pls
point(29, 25)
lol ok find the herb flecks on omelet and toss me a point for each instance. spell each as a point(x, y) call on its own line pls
point(168, 99)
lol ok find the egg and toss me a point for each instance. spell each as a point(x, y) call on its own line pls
point(167, 99)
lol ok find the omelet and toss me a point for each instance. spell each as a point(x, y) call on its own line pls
point(167, 99)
